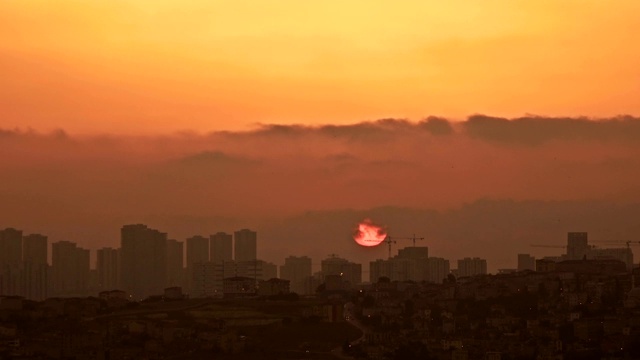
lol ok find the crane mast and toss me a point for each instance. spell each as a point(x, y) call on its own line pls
point(392, 240)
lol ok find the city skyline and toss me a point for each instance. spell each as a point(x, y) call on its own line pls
point(332, 179)
point(610, 228)
point(24, 268)
point(453, 127)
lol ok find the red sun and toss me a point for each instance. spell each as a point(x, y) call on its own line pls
point(368, 234)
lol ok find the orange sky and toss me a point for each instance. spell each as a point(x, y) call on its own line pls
point(161, 66)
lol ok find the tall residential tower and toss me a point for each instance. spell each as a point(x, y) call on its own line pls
point(143, 261)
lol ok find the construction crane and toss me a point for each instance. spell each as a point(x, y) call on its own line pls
point(392, 240)
point(628, 243)
point(388, 241)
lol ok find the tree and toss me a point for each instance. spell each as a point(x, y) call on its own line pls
point(543, 293)
point(368, 301)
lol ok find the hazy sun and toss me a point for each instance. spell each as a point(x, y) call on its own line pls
point(368, 234)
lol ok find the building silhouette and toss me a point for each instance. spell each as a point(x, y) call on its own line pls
point(246, 245)
point(296, 269)
point(34, 248)
point(437, 269)
point(414, 252)
point(144, 261)
point(69, 269)
point(273, 287)
point(221, 247)
point(350, 272)
point(396, 269)
point(10, 262)
point(10, 246)
point(623, 254)
point(239, 287)
point(35, 269)
point(206, 280)
point(409, 264)
point(577, 245)
point(526, 262)
point(197, 252)
point(208, 277)
point(108, 268)
point(472, 267)
point(175, 263)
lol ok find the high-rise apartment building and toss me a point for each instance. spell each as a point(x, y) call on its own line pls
point(246, 245)
point(437, 269)
point(577, 245)
point(296, 270)
point(35, 270)
point(623, 254)
point(472, 267)
point(175, 263)
point(257, 269)
point(10, 247)
point(143, 261)
point(207, 278)
point(221, 247)
point(197, 250)
point(69, 269)
point(108, 268)
point(396, 269)
point(349, 271)
point(417, 255)
point(10, 262)
point(35, 249)
point(414, 252)
point(409, 264)
point(526, 262)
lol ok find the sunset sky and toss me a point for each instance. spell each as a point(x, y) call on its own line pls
point(203, 116)
point(162, 66)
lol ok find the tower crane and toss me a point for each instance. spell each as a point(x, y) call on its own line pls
point(392, 239)
point(621, 242)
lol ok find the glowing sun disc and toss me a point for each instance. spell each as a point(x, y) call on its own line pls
point(368, 234)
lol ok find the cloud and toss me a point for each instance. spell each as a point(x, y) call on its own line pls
point(57, 134)
point(534, 130)
point(528, 130)
point(282, 170)
point(436, 125)
point(379, 130)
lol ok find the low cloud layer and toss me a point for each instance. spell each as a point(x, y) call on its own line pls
point(534, 130)
point(58, 183)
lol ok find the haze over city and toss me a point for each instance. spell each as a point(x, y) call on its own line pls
point(217, 115)
point(487, 129)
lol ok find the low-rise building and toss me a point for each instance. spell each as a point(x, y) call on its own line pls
point(239, 286)
point(273, 286)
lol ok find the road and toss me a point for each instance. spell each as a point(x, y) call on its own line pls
point(351, 319)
